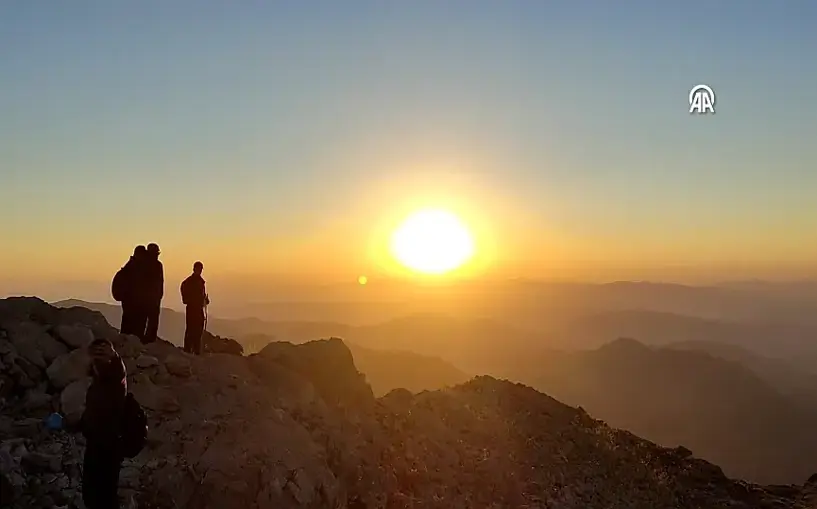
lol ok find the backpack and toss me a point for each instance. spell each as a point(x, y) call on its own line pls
point(191, 293)
point(185, 291)
point(119, 285)
point(134, 427)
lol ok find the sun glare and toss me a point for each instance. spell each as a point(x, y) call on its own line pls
point(432, 242)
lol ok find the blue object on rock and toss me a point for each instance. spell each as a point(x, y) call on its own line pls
point(54, 421)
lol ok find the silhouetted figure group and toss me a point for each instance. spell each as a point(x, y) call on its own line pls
point(139, 286)
point(113, 422)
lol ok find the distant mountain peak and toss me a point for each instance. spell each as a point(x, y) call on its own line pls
point(625, 343)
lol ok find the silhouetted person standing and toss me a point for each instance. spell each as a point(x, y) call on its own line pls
point(154, 281)
point(194, 297)
point(101, 425)
point(128, 288)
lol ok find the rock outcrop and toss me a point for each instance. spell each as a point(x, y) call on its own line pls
point(298, 427)
point(217, 344)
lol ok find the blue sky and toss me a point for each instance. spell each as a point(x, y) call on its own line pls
point(255, 123)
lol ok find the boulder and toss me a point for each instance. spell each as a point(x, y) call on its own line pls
point(328, 366)
point(129, 476)
point(40, 462)
point(22, 309)
point(6, 347)
point(33, 343)
point(75, 336)
point(72, 400)
point(37, 402)
point(129, 346)
point(146, 361)
point(178, 365)
point(69, 368)
point(93, 320)
point(31, 371)
point(22, 373)
point(287, 388)
point(216, 344)
point(28, 427)
point(398, 399)
point(152, 396)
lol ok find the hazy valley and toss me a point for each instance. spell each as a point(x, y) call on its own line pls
point(704, 383)
point(296, 425)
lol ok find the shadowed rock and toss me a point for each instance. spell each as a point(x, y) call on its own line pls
point(216, 344)
point(297, 426)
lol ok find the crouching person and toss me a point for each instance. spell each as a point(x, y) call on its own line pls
point(113, 424)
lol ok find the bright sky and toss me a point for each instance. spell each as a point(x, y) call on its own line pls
point(285, 137)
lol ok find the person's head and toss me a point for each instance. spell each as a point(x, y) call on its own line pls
point(140, 251)
point(101, 352)
point(153, 250)
point(198, 267)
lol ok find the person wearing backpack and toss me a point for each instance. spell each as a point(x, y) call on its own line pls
point(100, 424)
point(113, 424)
point(127, 288)
point(154, 281)
point(195, 299)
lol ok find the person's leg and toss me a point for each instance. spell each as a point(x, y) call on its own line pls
point(152, 330)
point(126, 326)
point(112, 484)
point(100, 479)
point(198, 331)
point(189, 330)
point(140, 319)
point(90, 482)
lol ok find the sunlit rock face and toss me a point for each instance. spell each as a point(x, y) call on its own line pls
point(298, 427)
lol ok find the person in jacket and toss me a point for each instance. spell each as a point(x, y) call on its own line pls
point(154, 291)
point(134, 308)
point(101, 425)
point(195, 298)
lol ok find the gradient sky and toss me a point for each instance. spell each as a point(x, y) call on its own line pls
point(283, 137)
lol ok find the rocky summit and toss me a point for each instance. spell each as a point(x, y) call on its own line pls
point(298, 427)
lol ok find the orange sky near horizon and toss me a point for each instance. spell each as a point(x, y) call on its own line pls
point(346, 247)
point(513, 239)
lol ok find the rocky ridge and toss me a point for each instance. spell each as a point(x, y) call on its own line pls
point(298, 427)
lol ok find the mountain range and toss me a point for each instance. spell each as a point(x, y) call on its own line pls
point(297, 426)
point(720, 409)
point(751, 414)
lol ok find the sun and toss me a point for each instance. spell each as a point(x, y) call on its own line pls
point(432, 241)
